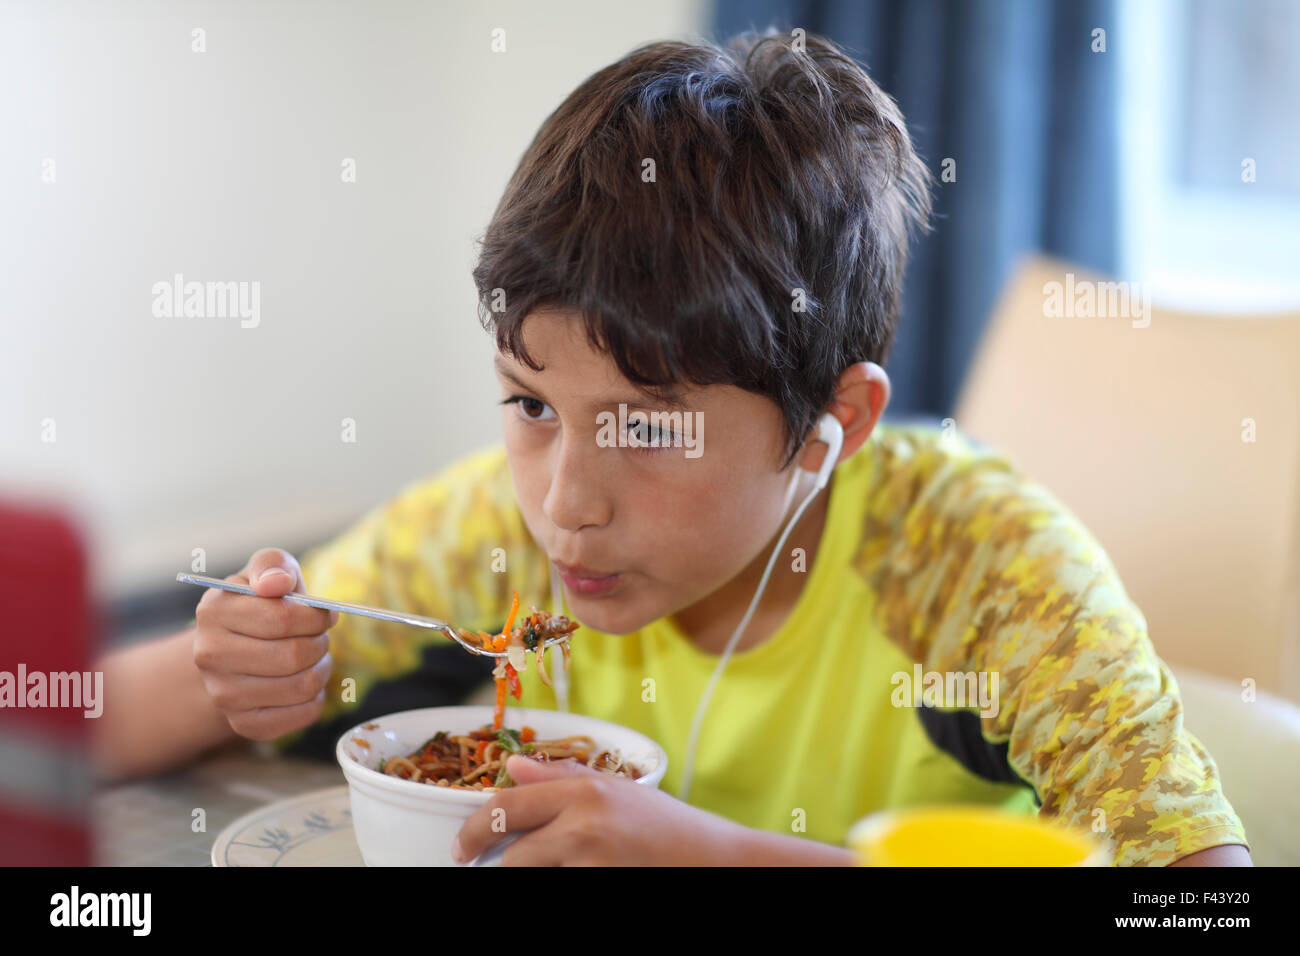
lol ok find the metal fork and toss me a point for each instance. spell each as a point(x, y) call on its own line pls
point(381, 614)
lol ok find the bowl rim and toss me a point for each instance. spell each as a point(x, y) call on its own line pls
point(387, 781)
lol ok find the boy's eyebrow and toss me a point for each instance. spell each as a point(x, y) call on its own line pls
point(668, 399)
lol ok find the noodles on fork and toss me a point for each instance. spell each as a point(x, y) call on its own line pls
point(477, 760)
point(531, 635)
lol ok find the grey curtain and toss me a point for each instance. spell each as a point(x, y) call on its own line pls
point(1013, 92)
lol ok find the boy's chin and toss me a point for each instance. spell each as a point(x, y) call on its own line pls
point(607, 614)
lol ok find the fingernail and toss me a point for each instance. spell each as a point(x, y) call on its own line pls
point(271, 572)
point(456, 853)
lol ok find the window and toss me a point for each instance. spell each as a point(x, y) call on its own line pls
point(1210, 99)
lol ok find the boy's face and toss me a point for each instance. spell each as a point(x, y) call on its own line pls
point(654, 529)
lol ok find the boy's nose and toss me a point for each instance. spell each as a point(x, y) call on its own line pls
point(576, 498)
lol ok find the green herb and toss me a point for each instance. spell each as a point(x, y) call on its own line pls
point(509, 740)
point(503, 779)
point(382, 761)
point(530, 638)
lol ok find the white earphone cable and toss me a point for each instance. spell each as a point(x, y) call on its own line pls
point(689, 767)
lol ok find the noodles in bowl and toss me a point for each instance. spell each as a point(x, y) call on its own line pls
point(477, 760)
point(405, 822)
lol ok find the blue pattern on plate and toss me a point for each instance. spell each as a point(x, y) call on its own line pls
point(319, 815)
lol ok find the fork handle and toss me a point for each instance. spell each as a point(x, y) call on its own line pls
point(311, 601)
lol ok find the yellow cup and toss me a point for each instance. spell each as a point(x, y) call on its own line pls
point(970, 836)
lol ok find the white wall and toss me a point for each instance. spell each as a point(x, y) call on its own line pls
point(177, 433)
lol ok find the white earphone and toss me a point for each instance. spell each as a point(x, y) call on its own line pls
point(831, 432)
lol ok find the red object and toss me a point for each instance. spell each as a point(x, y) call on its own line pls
point(46, 629)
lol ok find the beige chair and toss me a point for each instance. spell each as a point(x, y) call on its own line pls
point(1139, 431)
point(1175, 438)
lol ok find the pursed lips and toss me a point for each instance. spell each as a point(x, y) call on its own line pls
point(582, 571)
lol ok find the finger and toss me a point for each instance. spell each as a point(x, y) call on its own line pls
point(258, 657)
point(545, 846)
point(527, 770)
point(273, 572)
point(269, 618)
point(239, 692)
point(267, 723)
point(511, 811)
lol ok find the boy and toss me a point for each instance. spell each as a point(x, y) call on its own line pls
point(721, 234)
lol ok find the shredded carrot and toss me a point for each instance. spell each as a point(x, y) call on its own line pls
point(527, 735)
point(499, 713)
point(500, 642)
point(509, 683)
point(514, 609)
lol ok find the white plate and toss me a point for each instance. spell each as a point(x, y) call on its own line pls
point(311, 829)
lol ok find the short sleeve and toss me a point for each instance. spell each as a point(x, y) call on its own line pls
point(983, 571)
point(451, 547)
point(1099, 731)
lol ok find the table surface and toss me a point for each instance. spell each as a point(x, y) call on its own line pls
point(151, 821)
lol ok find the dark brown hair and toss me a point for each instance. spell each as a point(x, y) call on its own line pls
point(774, 170)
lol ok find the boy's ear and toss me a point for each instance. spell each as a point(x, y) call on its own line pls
point(860, 399)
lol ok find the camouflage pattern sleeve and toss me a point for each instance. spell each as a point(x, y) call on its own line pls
point(978, 570)
point(452, 547)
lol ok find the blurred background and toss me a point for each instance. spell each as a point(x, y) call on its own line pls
point(344, 157)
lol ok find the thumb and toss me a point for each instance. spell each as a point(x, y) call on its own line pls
point(273, 572)
point(527, 770)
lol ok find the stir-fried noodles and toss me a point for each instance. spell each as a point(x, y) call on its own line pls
point(531, 635)
point(477, 760)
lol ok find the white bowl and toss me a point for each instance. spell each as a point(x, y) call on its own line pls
point(400, 823)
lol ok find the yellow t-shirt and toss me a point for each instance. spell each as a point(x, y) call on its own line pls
point(937, 558)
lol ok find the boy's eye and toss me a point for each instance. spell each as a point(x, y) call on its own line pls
point(531, 408)
point(652, 437)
